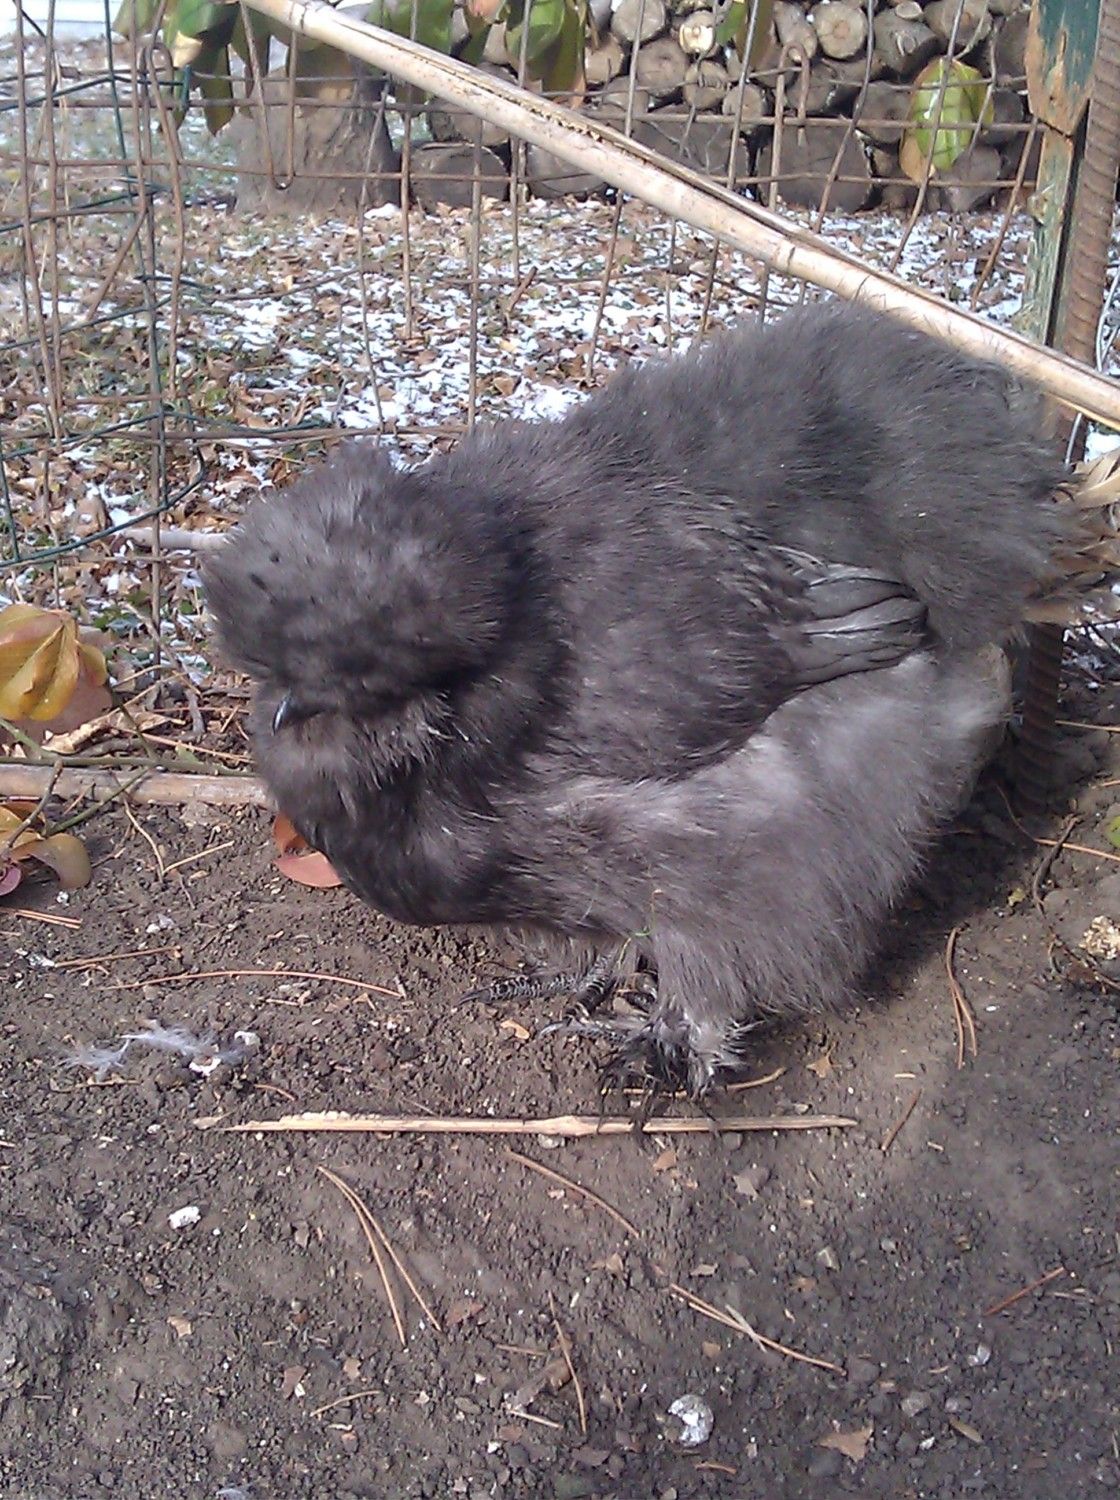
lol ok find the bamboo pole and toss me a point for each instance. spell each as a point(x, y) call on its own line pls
point(785, 247)
point(570, 1127)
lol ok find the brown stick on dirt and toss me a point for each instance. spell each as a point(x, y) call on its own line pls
point(569, 1126)
point(160, 788)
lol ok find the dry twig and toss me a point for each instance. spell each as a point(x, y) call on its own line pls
point(565, 1344)
point(52, 919)
point(365, 1219)
point(366, 1215)
point(893, 1133)
point(962, 1011)
point(734, 1319)
point(1024, 1291)
point(569, 1126)
point(106, 958)
point(317, 1411)
point(574, 1187)
point(360, 984)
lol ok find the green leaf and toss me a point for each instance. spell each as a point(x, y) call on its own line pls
point(432, 20)
point(475, 45)
point(192, 27)
point(216, 88)
point(948, 100)
point(561, 68)
point(545, 24)
point(198, 17)
point(134, 17)
point(735, 26)
point(260, 33)
point(322, 63)
point(1112, 832)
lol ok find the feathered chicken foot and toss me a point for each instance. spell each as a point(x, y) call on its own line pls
point(589, 988)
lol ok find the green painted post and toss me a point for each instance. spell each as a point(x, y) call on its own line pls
point(1061, 53)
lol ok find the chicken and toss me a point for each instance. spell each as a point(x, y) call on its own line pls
point(683, 683)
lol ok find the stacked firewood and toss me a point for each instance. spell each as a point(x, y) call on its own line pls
point(849, 103)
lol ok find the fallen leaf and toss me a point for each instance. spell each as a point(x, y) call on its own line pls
point(461, 1310)
point(613, 1264)
point(965, 1429)
point(65, 742)
point(290, 1384)
point(42, 659)
point(298, 861)
point(666, 1160)
point(182, 1326)
point(61, 852)
point(66, 855)
point(852, 1445)
point(751, 1182)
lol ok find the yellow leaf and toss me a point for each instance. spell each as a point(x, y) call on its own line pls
point(66, 856)
point(39, 662)
point(92, 660)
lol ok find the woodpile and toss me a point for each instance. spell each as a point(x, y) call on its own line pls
point(829, 113)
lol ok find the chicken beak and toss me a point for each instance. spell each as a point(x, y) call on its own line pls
point(286, 713)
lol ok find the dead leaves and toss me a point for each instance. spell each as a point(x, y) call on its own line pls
point(21, 840)
point(852, 1445)
point(44, 664)
point(298, 861)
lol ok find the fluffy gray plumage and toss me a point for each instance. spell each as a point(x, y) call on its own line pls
point(687, 679)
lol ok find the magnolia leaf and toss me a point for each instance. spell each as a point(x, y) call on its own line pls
point(39, 661)
point(432, 26)
point(258, 40)
point(216, 87)
point(199, 17)
point(50, 677)
point(561, 69)
point(12, 814)
point(309, 868)
point(298, 861)
point(546, 21)
point(329, 70)
point(735, 26)
point(427, 22)
point(133, 18)
point(193, 29)
point(64, 854)
point(949, 99)
point(60, 852)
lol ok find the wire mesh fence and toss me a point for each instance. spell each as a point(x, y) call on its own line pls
point(219, 254)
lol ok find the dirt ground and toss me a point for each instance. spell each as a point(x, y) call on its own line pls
point(251, 1353)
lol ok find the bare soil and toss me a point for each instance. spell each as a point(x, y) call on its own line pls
point(251, 1353)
